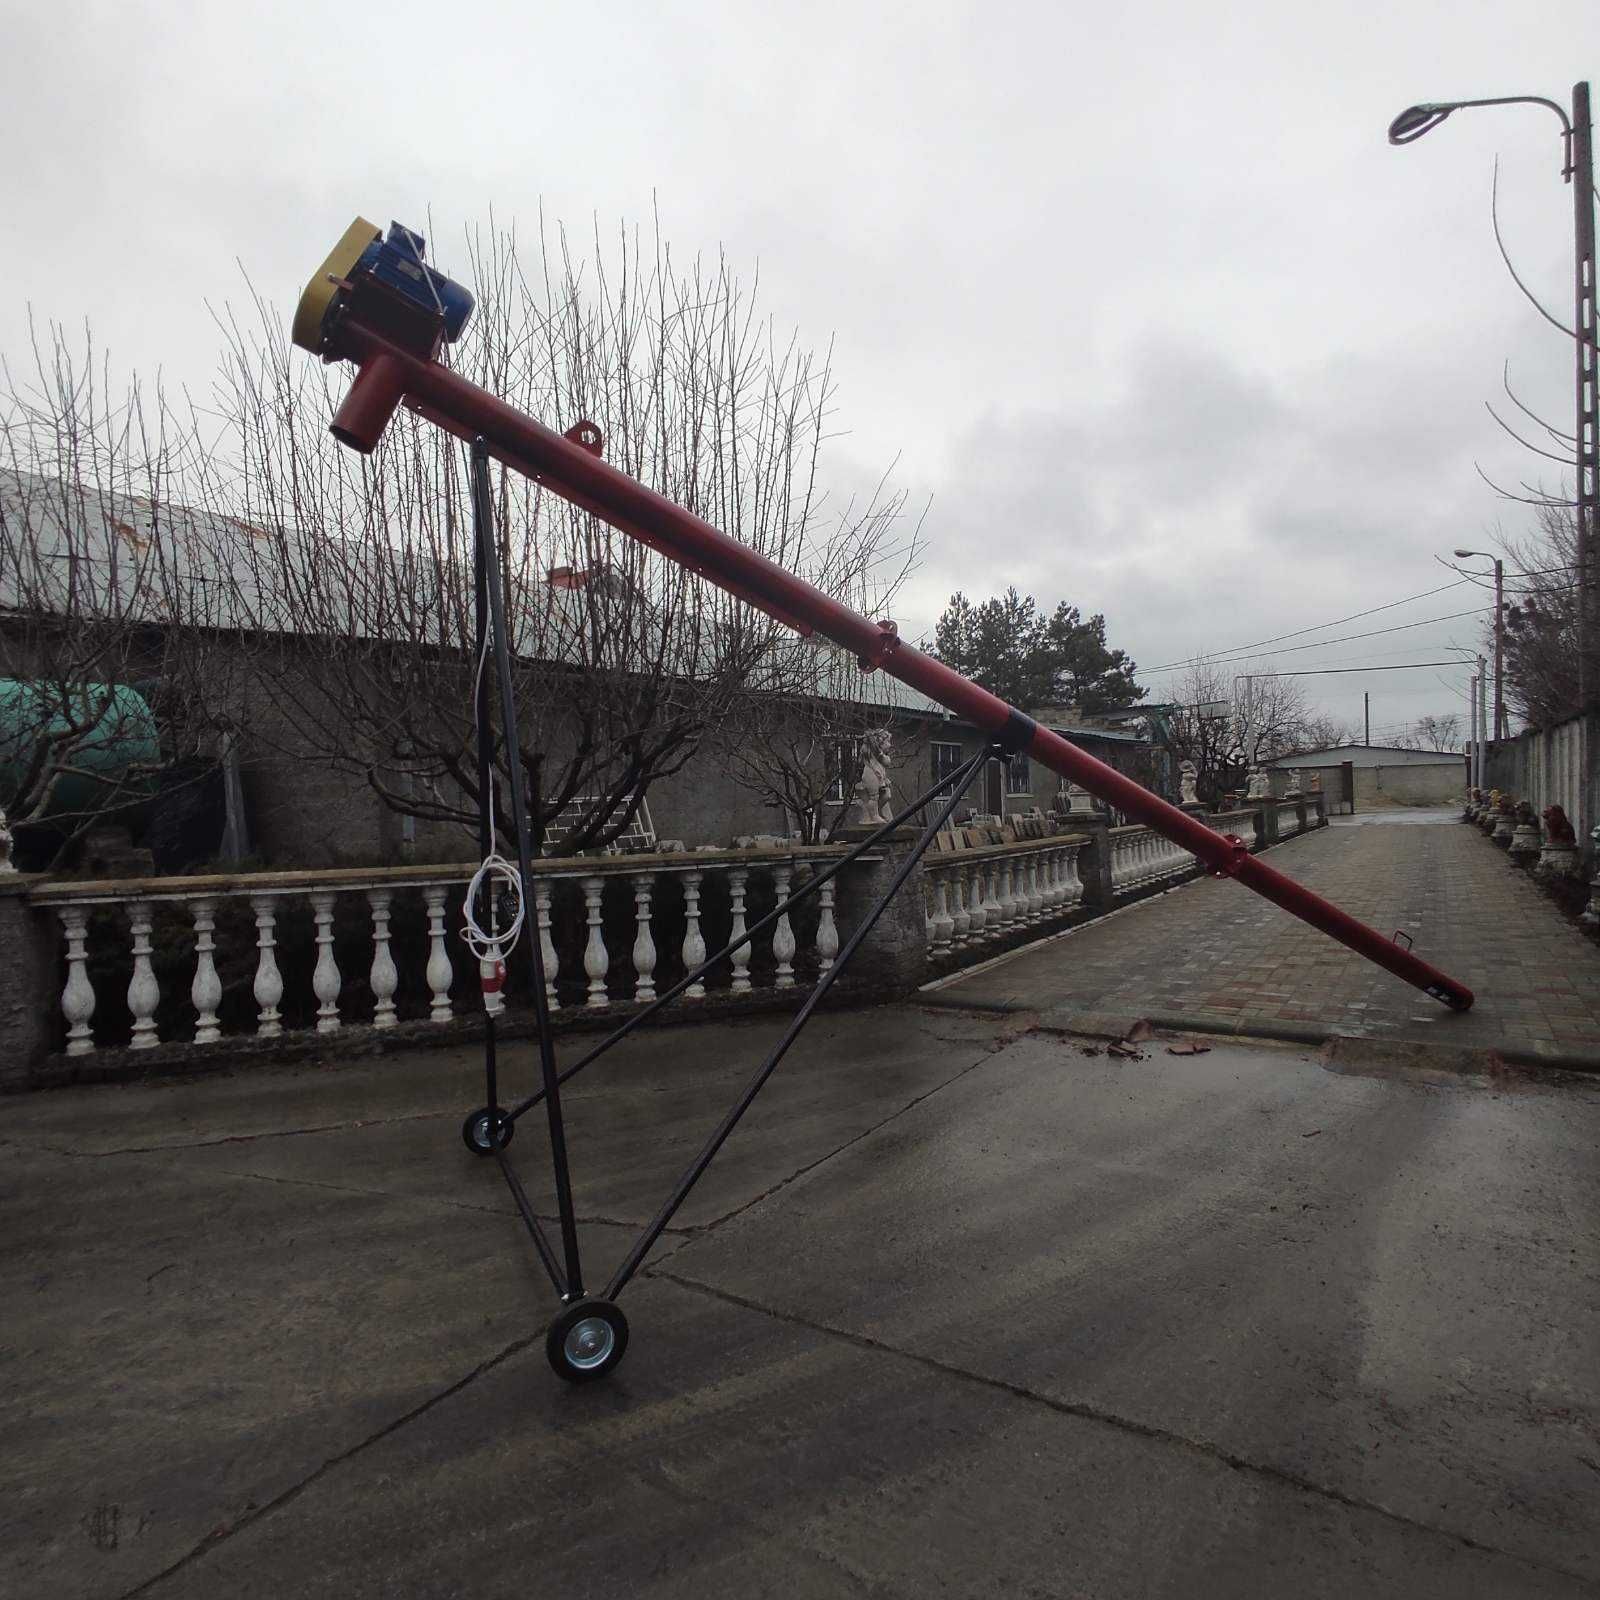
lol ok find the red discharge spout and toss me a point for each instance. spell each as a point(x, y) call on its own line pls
point(390, 375)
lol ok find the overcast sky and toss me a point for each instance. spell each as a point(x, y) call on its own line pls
point(1139, 296)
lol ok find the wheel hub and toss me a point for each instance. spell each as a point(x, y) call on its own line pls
point(589, 1342)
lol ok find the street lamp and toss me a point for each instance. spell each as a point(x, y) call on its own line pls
point(1577, 134)
point(1499, 636)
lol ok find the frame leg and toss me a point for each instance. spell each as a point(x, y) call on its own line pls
point(641, 1248)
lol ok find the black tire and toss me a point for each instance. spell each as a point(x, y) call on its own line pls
point(586, 1341)
point(475, 1132)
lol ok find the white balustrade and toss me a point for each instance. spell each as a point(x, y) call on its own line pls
point(981, 897)
point(411, 950)
point(1141, 858)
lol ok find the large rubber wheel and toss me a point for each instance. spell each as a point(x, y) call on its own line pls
point(477, 1132)
point(587, 1340)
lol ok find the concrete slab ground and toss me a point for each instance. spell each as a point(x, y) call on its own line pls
point(1211, 955)
point(967, 1311)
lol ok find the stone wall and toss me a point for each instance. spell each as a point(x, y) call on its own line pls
point(1438, 784)
point(1552, 766)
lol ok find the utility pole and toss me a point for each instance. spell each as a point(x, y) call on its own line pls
point(1499, 649)
point(1580, 175)
point(1366, 715)
point(1577, 168)
point(1472, 732)
point(1483, 722)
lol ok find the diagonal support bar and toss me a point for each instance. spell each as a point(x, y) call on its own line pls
point(804, 892)
point(961, 778)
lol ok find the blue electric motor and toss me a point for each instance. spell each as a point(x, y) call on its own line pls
point(397, 262)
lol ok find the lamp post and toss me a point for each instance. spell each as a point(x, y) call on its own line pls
point(1577, 134)
point(1499, 636)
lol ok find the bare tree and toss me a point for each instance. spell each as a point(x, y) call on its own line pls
point(360, 567)
point(108, 645)
point(1230, 722)
point(1542, 625)
point(1431, 733)
point(797, 733)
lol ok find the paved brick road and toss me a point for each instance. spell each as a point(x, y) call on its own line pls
point(1212, 955)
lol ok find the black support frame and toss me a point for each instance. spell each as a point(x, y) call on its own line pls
point(567, 1275)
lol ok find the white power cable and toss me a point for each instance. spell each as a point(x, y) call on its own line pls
point(498, 877)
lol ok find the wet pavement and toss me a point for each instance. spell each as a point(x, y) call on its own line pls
point(1211, 955)
point(968, 1309)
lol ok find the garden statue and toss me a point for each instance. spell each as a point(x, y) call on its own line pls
point(872, 796)
point(7, 840)
point(1188, 773)
point(1260, 785)
point(1559, 857)
point(1525, 840)
point(1505, 820)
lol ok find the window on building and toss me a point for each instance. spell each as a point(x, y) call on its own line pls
point(946, 758)
point(1019, 779)
point(843, 759)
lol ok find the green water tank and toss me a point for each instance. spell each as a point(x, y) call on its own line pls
point(124, 737)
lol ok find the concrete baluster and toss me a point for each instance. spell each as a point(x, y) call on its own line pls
point(694, 941)
point(644, 944)
point(827, 933)
point(942, 925)
point(960, 917)
point(547, 945)
point(384, 979)
point(325, 980)
point(206, 990)
point(439, 971)
point(144, 991)
point(737, 878)
point(77, 998)
point(268, 985)
point(783, 945)
point(596, 963)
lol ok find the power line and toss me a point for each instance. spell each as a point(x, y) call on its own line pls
point(1338, 622)
point(1318, 672)
point(1318, 644)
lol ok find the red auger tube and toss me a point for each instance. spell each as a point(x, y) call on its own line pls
point(388, 375)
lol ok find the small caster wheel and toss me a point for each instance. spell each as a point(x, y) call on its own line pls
point(587, 1340)
point(478, 1134)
